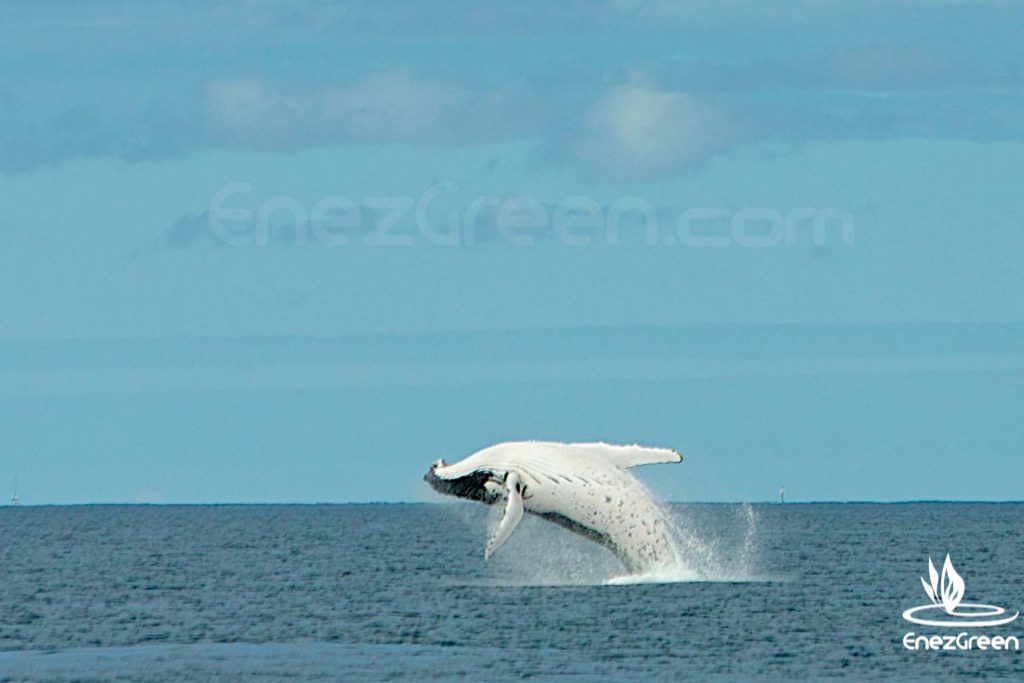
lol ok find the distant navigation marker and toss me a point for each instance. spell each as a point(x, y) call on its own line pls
point(782, 494)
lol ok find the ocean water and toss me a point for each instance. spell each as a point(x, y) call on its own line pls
point(402, 592)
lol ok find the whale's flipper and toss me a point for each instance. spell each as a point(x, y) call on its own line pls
point(628, 456)
point(513, 514)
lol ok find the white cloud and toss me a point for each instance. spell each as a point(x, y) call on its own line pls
point(641, 131)
point(387, 106)
point(392, 105)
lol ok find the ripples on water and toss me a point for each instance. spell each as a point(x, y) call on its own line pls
point(373, 592)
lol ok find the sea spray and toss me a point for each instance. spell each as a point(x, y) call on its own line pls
point(711, 543)
point(718, 542)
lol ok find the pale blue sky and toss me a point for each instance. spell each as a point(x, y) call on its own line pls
point(143, 357)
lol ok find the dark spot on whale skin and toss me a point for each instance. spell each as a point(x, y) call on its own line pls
point(608, 499)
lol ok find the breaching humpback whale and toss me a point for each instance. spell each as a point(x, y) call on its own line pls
point(584, 487)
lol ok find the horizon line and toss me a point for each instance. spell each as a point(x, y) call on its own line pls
point(916, 501)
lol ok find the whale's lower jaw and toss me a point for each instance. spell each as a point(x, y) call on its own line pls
point(471, 487)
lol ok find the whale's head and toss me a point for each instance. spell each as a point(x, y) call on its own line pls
point(472, 483)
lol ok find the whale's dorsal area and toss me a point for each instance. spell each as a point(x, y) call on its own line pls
point(585, 487)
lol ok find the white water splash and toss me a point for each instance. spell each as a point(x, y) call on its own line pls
point(711, 543)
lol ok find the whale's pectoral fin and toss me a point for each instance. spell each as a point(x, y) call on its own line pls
point(628, 456)
point(513, 514)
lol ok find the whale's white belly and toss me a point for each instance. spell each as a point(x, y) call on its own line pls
point(618, 512)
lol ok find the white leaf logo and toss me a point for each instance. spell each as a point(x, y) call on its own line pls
point(952, 587)
point(933, 589)
point(929, 591)
point(946, 591)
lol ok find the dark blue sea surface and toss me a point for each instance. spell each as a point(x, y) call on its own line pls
point(402, 592)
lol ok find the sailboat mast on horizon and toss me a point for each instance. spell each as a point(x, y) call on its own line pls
point(14, 498)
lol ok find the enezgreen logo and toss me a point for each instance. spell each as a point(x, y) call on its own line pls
point(948, 610)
